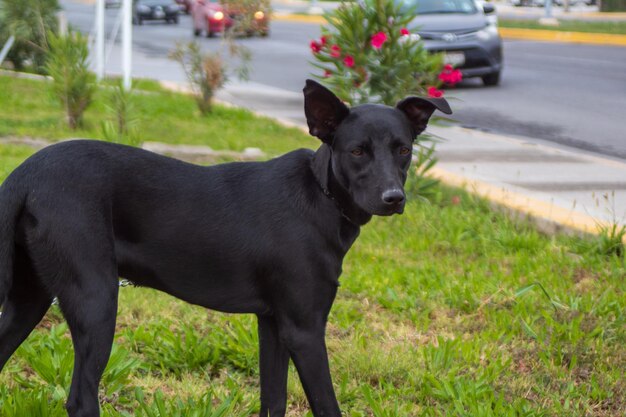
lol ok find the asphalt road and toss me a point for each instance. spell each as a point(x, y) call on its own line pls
point(569, 94)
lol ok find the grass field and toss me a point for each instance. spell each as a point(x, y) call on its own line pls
point(448, 310)
point(617, 28)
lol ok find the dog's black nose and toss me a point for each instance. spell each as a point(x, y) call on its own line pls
point(393, 196)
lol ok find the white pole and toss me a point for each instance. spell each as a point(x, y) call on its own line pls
point(5, 49)
point(127, 41)
point(99, 39)
point(62, 18)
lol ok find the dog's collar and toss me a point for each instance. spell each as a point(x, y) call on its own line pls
point(323, 174)
point(328, 194)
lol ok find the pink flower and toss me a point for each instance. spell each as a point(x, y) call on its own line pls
point(404, 32)
point(315, 47)
point(323, 40)
point(450, 76)
point(378, 39)
point(327, 73)
point(433, 92)
point(335, 51)
point(348, 61)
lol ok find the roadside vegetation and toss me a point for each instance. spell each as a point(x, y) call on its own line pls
point(451, 309)
point(29, 109)
point(616, 27)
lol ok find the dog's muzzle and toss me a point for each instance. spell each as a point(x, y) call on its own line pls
point(393, 200)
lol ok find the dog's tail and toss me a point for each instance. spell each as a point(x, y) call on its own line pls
point(11, 203)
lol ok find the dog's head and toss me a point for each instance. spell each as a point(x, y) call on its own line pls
point(369, 147)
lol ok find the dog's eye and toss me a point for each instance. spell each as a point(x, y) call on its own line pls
point(405, 151)
point(357, 152)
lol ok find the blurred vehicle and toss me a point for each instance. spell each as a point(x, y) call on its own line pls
point(166, 10)
point(464, 32)
point(212, 17)
point(185, 5)
point(542, 3)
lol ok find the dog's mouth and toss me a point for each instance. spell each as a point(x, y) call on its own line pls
point(388, 210)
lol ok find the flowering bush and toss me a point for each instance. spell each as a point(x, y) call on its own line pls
point(367, 54)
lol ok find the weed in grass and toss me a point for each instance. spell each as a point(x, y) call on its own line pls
point(380, 405)
point(67, 64)
point(611, 240)
point(50, 356)
point(30, 403)
point(202, 407)
point(178, 347)
point(182, 350)
point(123, 127)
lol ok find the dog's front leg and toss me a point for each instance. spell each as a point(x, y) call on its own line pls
point(274, 366)
point(308, 351)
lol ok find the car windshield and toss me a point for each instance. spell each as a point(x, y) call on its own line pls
point(437, 6)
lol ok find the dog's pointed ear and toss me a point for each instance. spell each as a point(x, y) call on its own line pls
point(324, 111)
point(419, 109)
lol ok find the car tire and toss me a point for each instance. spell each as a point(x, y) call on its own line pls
point(139, 21)
point(175, 20)
point(197, 32)
point(210, 34)
point(492, 79)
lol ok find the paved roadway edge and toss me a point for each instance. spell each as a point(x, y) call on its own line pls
point(507, 33)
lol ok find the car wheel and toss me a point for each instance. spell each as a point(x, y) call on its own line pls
point(139, 21)
point(175, 20)
point(196, 32)
point(210, 34)
point(491, 79)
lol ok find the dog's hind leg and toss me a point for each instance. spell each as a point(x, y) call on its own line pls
point(274, 366)
point(25, 306)
point(80, 267)
point(90, 307)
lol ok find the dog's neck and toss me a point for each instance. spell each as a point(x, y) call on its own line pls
point(321, 165)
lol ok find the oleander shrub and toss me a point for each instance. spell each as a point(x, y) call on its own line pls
point(366, 54)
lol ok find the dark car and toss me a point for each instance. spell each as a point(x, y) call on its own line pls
point(155, 10)
point(465, 31)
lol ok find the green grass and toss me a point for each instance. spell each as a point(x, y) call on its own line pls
point(568, 26)
point(448, 310)
point(28, 109)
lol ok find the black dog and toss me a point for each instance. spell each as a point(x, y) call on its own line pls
point(266, 238)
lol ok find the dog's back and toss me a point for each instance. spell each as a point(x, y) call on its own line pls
point(209, 230)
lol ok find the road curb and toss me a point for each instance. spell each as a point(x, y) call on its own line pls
point(566, 37)
point(506, 33)
point(548, 218)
